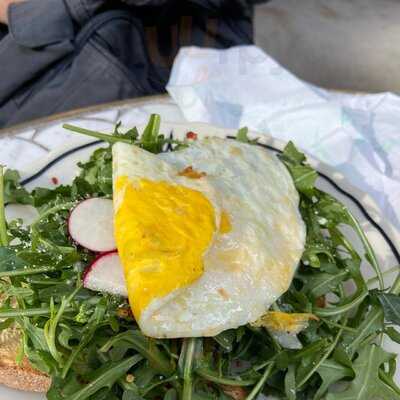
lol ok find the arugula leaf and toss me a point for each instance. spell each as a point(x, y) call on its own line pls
point(292, 155)
point(50, 327)
point(331, 372)
point(304, 176)
point(87, 334)
point(151, 139)
point(367, 383)
point(9, 260)
point(260, 384)
point(13, 191)
point(242, 136)
point(391, 307)
point(105, 377)
point(320, 284)
point(187, 363)
point(226, 339)
point(290, 383)
point(144, 346)
point(95, 178)
point(370, 326)
point(393, 334)
point(132, 134)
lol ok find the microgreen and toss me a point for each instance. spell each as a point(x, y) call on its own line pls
point(242, 135)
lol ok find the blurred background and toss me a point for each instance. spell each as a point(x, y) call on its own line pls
point(339, 44)
point(60, 55)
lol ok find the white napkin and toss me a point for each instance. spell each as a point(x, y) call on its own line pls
point(359, 135)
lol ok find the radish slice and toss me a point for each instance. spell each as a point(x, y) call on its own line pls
point(106, 274)
point(90, 224)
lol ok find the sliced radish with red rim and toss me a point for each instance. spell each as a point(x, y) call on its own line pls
point(91, 224)
point(106, 274)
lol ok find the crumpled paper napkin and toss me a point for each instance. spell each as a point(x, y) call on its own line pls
point(358, 135)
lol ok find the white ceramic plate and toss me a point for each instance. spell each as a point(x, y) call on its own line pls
point(385, 239)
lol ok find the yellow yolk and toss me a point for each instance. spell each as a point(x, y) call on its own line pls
point(162, 232)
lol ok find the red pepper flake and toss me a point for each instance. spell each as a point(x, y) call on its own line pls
point(191, 135)
point(54, 180)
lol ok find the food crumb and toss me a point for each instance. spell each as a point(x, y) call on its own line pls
point(223, 293)
point(234, 392)
point(320, 302)
point(235, 151)
point(191, 173)
point(124, 313)
point(130, 378)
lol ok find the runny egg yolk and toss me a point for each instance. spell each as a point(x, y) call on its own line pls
point(162, 232)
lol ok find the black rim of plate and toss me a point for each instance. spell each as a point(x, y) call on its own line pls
point(320, 174)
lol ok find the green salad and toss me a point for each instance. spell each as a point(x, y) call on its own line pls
point(91, 346)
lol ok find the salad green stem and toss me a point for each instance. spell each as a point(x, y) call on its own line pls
point(148, 138)
point(375, 314)
point(188, 349)
point(334, 324)
point(28, 312)
point(331, 311)
point(371, 257)
point(390, 271)
point(261, 366)
point(110, 375)
point(26, 271)
point(51, 325)
point(319, 345)
point(97, 135)
point(257, 388)
point(384, 377)
point(45, 282)
point(395, 289)
point(323, 358)
point(231, 381)
point(172, 378)
point(152, 129)
point(142, 345)
point(3, 224)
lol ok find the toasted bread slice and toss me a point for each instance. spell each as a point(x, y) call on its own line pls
point(23, 376)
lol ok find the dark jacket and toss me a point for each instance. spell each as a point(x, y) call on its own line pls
point(65, 54)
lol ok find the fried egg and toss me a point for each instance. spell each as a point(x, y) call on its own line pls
point(209, 236)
